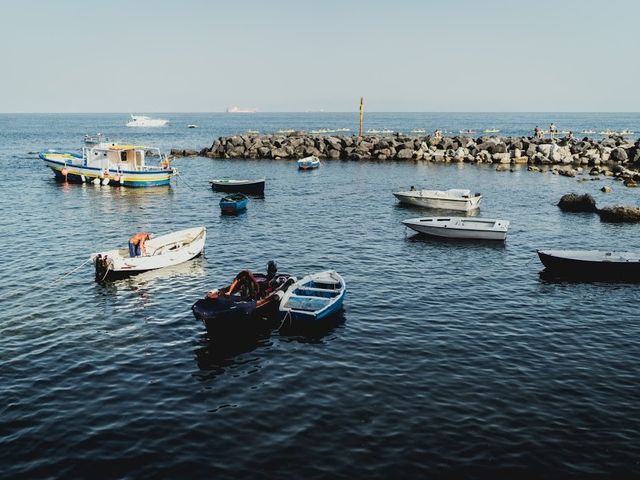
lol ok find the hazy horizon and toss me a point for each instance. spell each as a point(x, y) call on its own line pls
point(300, 57)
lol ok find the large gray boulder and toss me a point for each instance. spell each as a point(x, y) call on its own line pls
point(619, 214)
point(618, 155)
point(405, 154)
point(572, 202)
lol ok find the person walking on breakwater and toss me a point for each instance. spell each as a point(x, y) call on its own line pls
point(552, 130)
point(137, 244)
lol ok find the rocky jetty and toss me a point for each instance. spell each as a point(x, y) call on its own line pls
point(612, 156)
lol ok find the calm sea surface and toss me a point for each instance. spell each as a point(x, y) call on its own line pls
point(452, 359)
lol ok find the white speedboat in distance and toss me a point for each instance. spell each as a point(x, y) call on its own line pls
point(470, 228)
point(143, 121)
point(162, 251)
point(452, 199)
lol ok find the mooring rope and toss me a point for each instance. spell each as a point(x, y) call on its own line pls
point(185, 182)
point(49, 283)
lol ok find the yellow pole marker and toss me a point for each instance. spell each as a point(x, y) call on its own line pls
point(361, 115)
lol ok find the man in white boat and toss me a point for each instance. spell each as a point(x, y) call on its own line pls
point(136, 244)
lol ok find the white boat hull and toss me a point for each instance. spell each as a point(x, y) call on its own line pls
point(162, 251)
point(460, 227)
point(440, 199)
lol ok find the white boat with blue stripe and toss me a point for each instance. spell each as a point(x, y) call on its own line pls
point(111, 164)
point(313, 298)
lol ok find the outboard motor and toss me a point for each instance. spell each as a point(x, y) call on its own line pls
point(272, 269)
point(102, 264)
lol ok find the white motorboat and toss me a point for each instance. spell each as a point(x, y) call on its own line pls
point(452, 199)
point(192, 126)
point(460, 227)
point(162, 251)
point(143, 121)
point(471, 228)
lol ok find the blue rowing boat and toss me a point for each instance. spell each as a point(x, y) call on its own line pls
point(308, 163)
point(234, 203)
point(314, 297)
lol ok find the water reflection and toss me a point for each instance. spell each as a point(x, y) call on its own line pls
point(454, 242)
point(435, 212)
point(550, 277)
point(310, 332)
point(215, 354)
point(192, 268)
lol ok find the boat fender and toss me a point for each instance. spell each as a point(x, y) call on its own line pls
point(65, 171)
point(165, 163)
point(105, 181)
point(96, 181)
point(83, 178)
point(105, 173)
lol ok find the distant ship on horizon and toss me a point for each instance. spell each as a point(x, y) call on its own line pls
point(234, 109)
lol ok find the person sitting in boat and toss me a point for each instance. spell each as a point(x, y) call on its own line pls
point(413, 188)
point(137, 244)
point(246, 284)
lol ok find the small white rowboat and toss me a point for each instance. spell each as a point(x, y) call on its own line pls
point(460, 227)
point(162, 251)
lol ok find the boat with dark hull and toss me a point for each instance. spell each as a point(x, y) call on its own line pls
point(233, 203)
point(591, 264)
point(250, 303)
point(249, 187)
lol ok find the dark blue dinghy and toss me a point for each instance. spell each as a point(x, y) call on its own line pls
point(234, 203)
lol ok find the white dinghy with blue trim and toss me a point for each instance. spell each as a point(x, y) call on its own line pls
point(314, 297)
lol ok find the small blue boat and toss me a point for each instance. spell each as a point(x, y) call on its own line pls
point(308, 163)
point(314, 297)
point(234, 203)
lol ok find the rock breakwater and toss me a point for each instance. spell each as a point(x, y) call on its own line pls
point(613, 156)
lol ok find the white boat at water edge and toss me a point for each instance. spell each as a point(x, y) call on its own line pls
point(470, 228)
point(111, 164)
point(162, 251)
point(452, 199)
point(144, 121)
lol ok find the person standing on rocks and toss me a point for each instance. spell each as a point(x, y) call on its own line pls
point(552, 130)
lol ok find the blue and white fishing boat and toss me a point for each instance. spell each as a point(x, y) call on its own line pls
point(234, 203)
point(314, 297)
point(308, 163)
point(110, 164)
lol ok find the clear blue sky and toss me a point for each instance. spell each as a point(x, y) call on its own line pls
point(402, 55)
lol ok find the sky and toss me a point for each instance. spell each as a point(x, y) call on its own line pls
point(296, 56)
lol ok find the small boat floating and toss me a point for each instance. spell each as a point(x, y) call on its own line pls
point(592, 264)
point(250, 187)
point(233, 203)
point(144, 121)
point(313, 298)
point(110, 164)
point(162, 251)
point(452, 199)
point(470, 228)
point(252, 304)
point(308, 163)
point(192, 126)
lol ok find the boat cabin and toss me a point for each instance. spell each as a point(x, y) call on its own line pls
point(118, 156)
